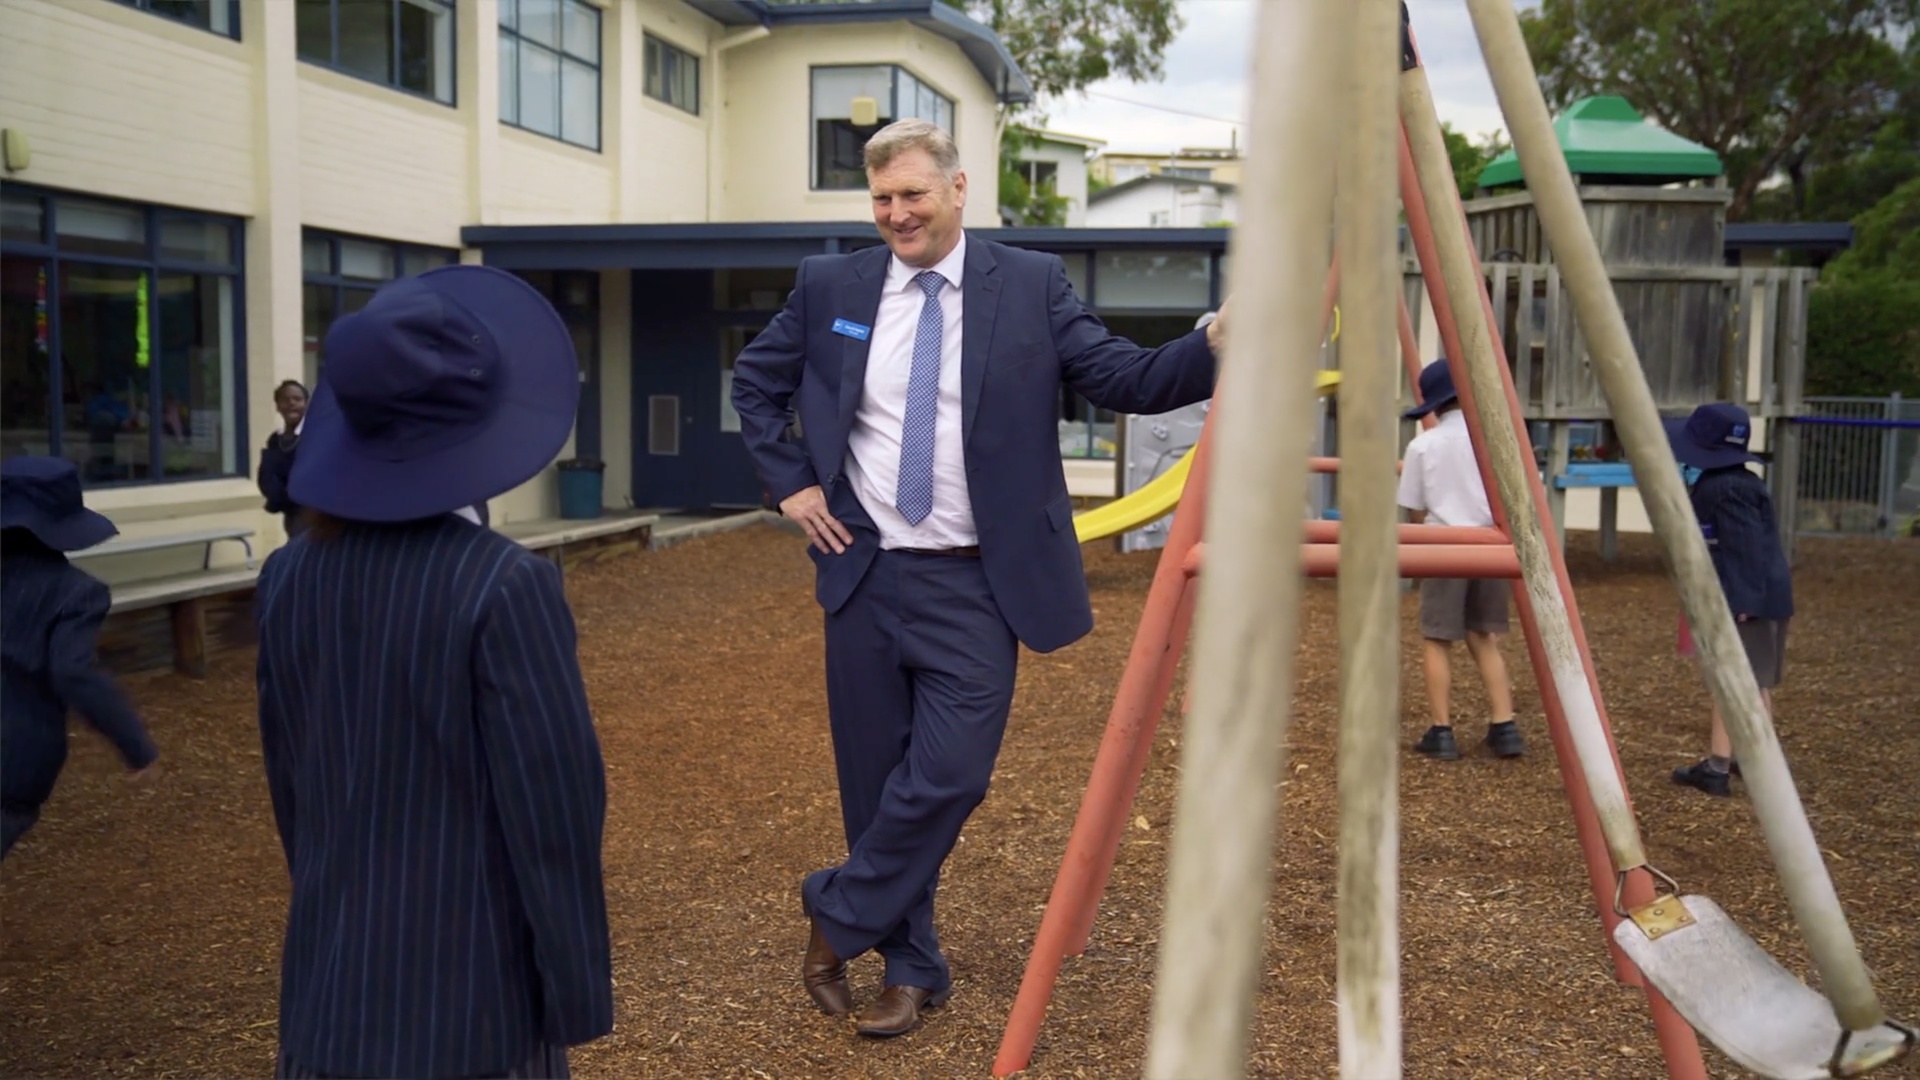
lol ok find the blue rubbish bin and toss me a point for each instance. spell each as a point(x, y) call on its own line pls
point(580, 486)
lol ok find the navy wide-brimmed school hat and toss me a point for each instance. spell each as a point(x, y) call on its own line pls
point(1436, 389)
point(42, 496)
point(447, 389)
point(1713, 437)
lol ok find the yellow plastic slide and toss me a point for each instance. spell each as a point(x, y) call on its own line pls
point(1160, 495)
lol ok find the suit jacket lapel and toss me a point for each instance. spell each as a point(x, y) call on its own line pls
point(980, 308)
point(859, 301)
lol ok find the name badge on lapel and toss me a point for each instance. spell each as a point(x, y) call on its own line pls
point(853, 330)
point(1712, 535)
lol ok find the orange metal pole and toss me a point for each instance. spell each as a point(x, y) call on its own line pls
point(1124, 748)
point(1679, 1045)
point(1135, 714)
point(1328, 532)
point(1410, 357)
point(1332, 465)
point(1137, 764)
point(1416, 560)
point(1586, 824)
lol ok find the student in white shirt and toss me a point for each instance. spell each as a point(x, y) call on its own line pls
point(1440, 483)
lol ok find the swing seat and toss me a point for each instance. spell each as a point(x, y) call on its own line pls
point(1743, 1001)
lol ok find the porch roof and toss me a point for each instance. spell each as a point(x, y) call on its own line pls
point(980, 44)
point(768, 244)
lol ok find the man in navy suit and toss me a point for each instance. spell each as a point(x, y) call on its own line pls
point(926, 378)
point(435, 773)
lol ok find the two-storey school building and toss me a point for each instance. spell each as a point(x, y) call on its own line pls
point(195, 189)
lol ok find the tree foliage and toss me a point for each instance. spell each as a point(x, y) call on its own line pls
point(1065, 46)
point(1863, 337)
point(1773, 86)
point(1470, 158)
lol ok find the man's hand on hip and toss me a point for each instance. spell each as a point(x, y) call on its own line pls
point(808, 508)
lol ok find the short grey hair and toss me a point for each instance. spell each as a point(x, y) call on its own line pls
point(903, 135)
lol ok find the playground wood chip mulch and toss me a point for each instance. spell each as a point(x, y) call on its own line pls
point(142, 923)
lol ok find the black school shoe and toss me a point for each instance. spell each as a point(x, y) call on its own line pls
point(1705, 777)
point(1504, 740)
point(1438, 744)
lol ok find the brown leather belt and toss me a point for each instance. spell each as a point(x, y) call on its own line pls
point(970, 551)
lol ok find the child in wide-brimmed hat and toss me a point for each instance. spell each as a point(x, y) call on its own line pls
point(52, 613)
point(1735, 511)
point(433, 767)
point(1440, 482)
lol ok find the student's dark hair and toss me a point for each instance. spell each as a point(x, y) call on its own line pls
point(282, 388)
point(321, 526)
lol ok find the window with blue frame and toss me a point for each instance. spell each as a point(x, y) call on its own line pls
point(404, 44)
point(215, 16)
point(340, 273)
point(121, 337)
point(838, 142)
point(550, 69)
point(673, 75)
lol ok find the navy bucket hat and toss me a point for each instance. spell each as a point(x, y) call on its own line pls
point(42, 496)
point(447, 389)
point(1436, 389)
point(1713, 437)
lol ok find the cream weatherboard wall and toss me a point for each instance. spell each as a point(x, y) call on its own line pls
point(768, 119)
point(123, 103)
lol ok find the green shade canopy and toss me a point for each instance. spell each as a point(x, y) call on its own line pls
point(1605, 136)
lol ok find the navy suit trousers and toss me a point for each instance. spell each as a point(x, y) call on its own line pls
point(920, 672)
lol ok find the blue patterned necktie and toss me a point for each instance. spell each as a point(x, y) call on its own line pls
point(914, 497)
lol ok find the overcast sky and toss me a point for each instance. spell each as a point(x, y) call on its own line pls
point(1206, 73)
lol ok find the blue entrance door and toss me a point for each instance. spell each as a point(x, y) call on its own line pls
point(687, 451)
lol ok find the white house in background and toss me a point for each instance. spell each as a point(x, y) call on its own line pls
point(1060, 159)
point(1193, 162)
point(1162, 201)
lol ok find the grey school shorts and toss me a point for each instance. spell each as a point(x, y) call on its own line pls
point(1450, 607)
point(1766, 644)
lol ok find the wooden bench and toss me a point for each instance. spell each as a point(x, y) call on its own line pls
point(581, 540)
point(187, 598)
point(184, 596)
point(204, 537)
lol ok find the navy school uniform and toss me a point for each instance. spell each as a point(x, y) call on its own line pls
point(440, 795)
point(276, 466)
point(52, 615)
point(1735, 511)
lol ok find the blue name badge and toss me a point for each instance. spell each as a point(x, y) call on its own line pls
point(851, 329)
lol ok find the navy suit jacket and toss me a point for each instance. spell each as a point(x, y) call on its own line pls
point(1023, 333)
point(439, 790)
point(49, 622)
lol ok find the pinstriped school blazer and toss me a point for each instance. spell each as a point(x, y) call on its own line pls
point(439, 790)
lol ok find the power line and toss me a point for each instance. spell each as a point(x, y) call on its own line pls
point(1163, 108)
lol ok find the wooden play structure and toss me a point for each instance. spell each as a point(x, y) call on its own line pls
point(1704, 331)
point(1323, 81)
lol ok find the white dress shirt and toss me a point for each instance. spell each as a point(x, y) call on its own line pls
point(1440, 475)
point(873, 444)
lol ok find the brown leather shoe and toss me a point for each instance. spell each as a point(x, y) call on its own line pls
point(897, 1009)
point(825, 975)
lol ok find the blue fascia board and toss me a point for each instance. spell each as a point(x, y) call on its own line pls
point(978, 42)
point(1802, 235)
point(819, 233)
